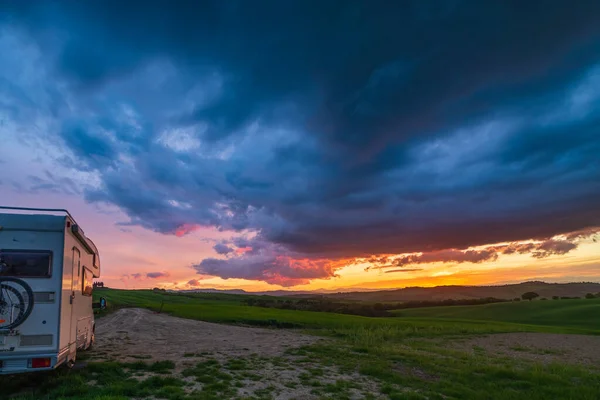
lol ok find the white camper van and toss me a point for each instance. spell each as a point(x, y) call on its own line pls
point(47, 266)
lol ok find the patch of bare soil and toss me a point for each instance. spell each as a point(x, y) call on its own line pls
point(133, 332)
point(263, 365)
point(540, 347)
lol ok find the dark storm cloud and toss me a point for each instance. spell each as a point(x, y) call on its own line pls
point(332, 130)
point(470, 256)
point(221, 248)
point(538, 250)
point(96, 150)
point(49, 183)
point(548, 247)
point(552, 247)
point(154, 275)
point(273, 269)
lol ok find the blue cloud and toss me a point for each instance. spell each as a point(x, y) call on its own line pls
point(336, 130)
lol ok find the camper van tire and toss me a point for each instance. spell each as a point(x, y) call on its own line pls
point(25, 304)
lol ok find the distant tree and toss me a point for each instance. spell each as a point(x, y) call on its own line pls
point(543, 298)
point(517, 299)
point(555, 298)
point(529, 296)
point(590, 296)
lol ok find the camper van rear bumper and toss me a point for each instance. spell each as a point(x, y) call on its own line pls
point(19, 363)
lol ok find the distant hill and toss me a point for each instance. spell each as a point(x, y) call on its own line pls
point(277, 293)
point(509, 291)
point(472, 292)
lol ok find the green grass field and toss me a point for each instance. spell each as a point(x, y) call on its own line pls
point(405, 357)
point(226, 308)
point(576, 313)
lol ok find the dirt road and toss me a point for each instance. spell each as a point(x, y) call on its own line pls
point(255, 358)
point(134, 332)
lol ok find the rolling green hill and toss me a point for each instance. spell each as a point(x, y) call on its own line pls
point(511, 291)
point(230, 309)
point(583, 313)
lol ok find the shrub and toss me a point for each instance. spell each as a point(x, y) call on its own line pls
point(529, 296)
point(590, 296)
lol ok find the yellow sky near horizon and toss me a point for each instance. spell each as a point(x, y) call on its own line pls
point(129, 250)
point(582, 264)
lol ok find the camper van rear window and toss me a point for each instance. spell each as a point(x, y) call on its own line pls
point(25, 263)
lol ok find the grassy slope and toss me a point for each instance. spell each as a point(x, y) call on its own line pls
point(565, 313)
point(472, 292)
point(393, 350)
point(224, 308)
point(410, 357)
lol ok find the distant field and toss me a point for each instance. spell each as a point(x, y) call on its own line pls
point(228, 308)
point(577, 313)
point(573, 289)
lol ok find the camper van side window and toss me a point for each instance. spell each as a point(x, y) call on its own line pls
point(26, 263)
point(86, 284)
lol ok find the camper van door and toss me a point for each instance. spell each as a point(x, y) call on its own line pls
point(74, 286)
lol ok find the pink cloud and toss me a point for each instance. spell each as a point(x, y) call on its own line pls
point(184, 229)
point(242, 250)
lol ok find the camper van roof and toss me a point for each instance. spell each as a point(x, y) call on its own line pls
point(14, 218)
point(14, 210)
point(32, 222)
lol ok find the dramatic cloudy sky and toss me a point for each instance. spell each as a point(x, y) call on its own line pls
point(310, 144)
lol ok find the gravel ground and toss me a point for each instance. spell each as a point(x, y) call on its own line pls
point(135, 331)
point(540, 347)
point(134, 334)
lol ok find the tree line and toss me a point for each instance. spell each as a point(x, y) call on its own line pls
point(382, 309)
point(361, 308)
point(533, 295)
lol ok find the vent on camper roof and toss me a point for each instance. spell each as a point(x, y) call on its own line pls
point(36, 340)
point(44, 297)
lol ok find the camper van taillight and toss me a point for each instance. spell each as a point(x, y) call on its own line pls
point(40, 362)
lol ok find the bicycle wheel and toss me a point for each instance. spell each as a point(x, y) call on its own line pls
point(16, 302)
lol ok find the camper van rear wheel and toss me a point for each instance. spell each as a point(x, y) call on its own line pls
point(16, 302)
